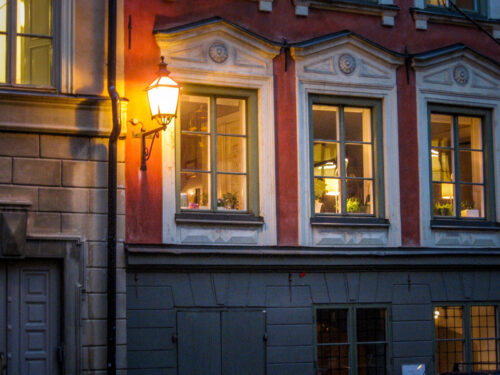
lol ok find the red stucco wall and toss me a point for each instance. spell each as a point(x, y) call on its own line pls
point(141, 59)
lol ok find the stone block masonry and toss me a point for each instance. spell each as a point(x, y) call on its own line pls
point(64, 178)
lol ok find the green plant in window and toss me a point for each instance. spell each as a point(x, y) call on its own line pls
point(467, 205)
point(319, 189)
point(353, 205)
point(443, 209)
point(230, 201)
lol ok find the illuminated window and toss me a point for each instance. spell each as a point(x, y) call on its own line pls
point(346, 156)
point(218, 154)
point(466, 338)
point(26, 42)
point(473, 6)
point(459, 164)
point(352, 340)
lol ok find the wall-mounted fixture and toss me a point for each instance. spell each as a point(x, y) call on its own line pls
point(163, 96)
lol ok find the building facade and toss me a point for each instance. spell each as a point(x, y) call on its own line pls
point(326, 200)
point(54, 129)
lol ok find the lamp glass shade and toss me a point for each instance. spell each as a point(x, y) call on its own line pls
point(163, 95)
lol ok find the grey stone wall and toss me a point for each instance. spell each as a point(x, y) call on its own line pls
point(154, 298)
point(64, 178)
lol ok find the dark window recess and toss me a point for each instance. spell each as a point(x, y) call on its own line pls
point(352, 340)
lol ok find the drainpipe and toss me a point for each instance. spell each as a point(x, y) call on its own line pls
point(115, 132)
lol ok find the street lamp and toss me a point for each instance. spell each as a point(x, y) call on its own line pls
point(163, 96)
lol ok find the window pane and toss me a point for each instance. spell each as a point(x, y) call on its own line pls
point(325, 122)
point(471, 166)
point(195, 190)
point(34, 17)
point(231, 192)
point(372, 359)
point(231, 154)
point(3, 15)
point(484, 355)
point(195, 152)
point(441, 130)
point(358, 160)
point(448, 321)
point(449, 353)
point(359, 196)
point(466, 4)
point(3, 57)
point(442, 165)
point(370, 325)
point(443, 198)
point(472, 200)
point(333, 360)
point(327, 194)
point(331, 326)
point(483, 322)
point(194, 113)
point(231, 116)
point(34, 61)
point(469, 132)
point(357, 124)
point(325, 159)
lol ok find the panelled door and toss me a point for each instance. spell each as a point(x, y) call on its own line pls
point(30, 321)
point(221, 342)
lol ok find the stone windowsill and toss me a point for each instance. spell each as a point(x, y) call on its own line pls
point(358, 222)
point(213, 218)
point(464, 225)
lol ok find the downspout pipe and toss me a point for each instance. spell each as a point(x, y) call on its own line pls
point(111, 238)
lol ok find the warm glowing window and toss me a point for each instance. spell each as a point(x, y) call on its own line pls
point(352, 341)
point(216, 159)
point(457, 159)
point(26, 42)
point(475, 6)
point(344, 157)
point(466, 338)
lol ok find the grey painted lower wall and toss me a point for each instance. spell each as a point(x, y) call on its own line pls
point(157, 300)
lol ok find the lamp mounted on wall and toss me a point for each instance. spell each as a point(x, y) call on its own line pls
point(163, 96)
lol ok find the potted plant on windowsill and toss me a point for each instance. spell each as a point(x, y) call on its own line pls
point(443, 209)
point(468, 209)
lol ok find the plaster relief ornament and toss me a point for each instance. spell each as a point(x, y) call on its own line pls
point(347, 63)
point(218, 52)
point(461, 74)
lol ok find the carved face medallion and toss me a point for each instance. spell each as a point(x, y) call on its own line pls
point(218, 52)
point(461, 74)
point(347, 63)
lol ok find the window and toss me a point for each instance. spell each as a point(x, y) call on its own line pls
point(217, 157)
point(472, 6)
point(346, 156)
point(467, 338)
point(461, 164)
point(26, 42)
point(352, 341)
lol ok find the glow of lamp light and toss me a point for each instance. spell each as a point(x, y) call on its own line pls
point(332, 187)
point(447, 191)
point(436, 314)
point(330, 165)
point(434, 153)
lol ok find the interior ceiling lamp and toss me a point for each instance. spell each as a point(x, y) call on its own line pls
point(163, 95)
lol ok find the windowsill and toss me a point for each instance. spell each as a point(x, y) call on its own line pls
point(356, 221)
point(386, 11)
point(422, 16)
point(218, 218)
point(457, 224)
point(27, 88)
